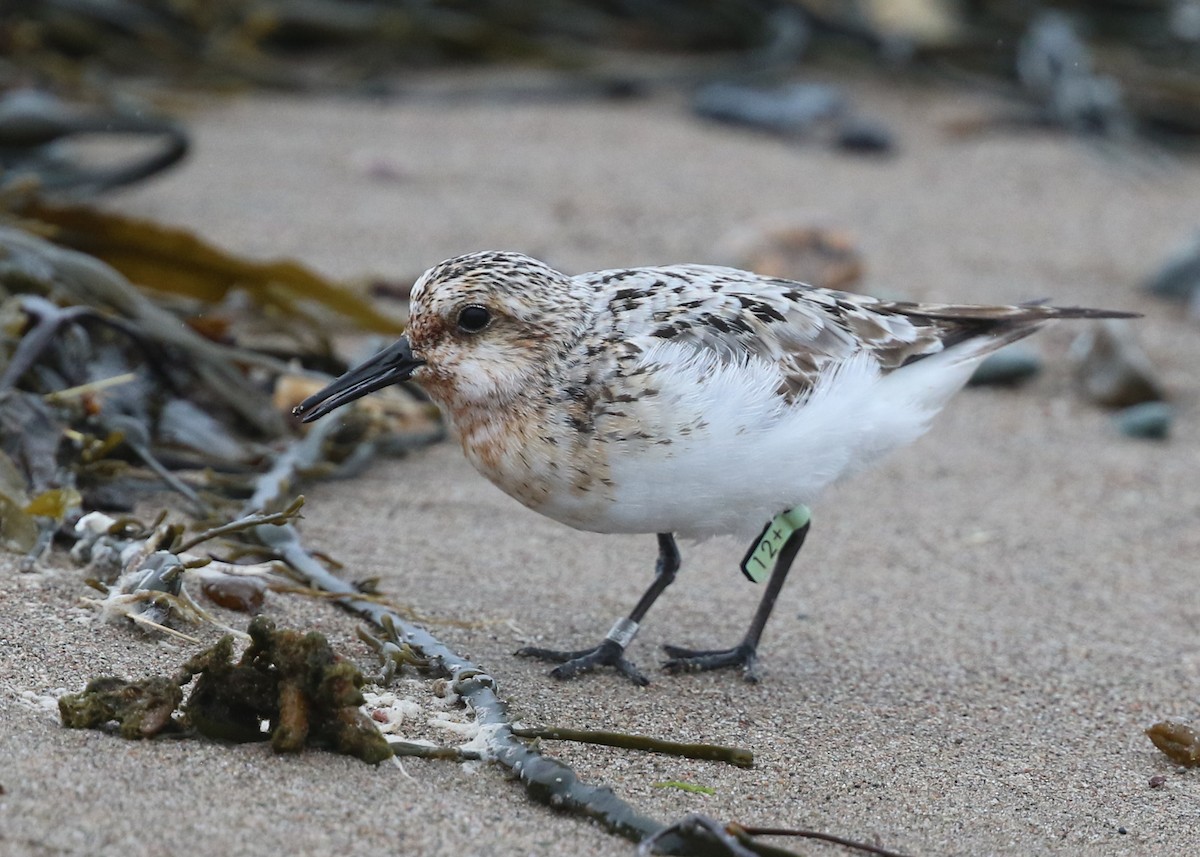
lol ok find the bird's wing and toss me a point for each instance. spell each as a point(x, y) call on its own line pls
point(738, 316)
point(803, 331)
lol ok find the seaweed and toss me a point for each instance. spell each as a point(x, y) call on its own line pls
point(174, 261)
point(692, 788)
point(736, 756)
point(293, 682)
point(288, 687)
point(147, 567)
point(33, 124)
point(108, 395)
point(323, 45)
point(736, 840)
point(545, 780)
point(141, 709)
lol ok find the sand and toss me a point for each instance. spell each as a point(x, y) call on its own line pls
point(971, 643)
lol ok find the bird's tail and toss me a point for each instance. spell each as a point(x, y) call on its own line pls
point(972, 332)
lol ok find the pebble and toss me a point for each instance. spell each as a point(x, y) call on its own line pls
point(1112, 369)
point(235, 592)
point(1149, 420)
point(794, 250)
point(864, 136)
point(1007, 368)
point(1179, 277)
point(791, 109)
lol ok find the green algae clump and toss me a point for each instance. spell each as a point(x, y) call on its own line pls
point(141, 709)
point(288, 687)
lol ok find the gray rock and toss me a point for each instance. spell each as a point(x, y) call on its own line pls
point(789, 110)
point(1112, 369)
point(865, 136)
point(1008, 367)
point(1149, 420)
point(1179, 277)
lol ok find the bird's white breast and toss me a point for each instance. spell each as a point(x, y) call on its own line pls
point(718, 450)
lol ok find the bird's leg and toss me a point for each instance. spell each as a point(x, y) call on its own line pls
point(611, 651)
point(744, 654)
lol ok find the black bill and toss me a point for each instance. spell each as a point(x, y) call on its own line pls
point(390, 366)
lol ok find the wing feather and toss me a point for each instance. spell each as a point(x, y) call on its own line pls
point(803, 330)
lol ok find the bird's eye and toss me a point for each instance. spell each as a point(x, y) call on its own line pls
point(473, 319)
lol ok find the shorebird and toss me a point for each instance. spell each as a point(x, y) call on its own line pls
point(687, 400)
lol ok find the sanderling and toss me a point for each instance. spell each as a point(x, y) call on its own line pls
point(687, 400)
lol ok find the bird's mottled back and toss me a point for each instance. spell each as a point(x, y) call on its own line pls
point(801, 329)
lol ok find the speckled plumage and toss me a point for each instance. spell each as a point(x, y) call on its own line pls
point(689, 399)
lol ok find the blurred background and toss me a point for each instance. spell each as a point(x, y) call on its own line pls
point(1110, 69)
point(256, 176)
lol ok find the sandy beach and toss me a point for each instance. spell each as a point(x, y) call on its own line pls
point(971, 643)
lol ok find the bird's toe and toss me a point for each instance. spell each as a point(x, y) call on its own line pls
point(573, 663)
point(701, 660)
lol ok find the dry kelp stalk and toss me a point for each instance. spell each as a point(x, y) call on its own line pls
point(288, 687)
point(34, 124)
point(546, 780)
point(736, 840)
point(175, 262)
point(737, 756)
point(1181, 743)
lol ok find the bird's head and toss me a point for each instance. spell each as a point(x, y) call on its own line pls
point(481, 329)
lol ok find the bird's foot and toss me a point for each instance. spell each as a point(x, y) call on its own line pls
point(570, 664)
point(699, 660)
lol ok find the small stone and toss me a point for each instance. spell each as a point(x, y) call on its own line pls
point(1149, 420)
point(1179, 277)
point(1158, 781)
point(792, 250)
point(791, 110)
point(864, 136)
point(1122, 831)
point(235, 591)
point(1112, 369)
point(1008, 367)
